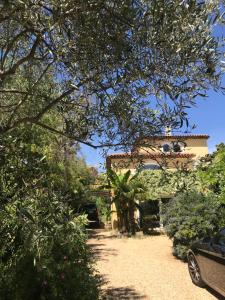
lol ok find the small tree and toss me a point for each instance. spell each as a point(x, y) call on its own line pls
point(125, 190)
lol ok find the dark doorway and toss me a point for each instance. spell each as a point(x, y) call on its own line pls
point(149, 215)
point(90, 209)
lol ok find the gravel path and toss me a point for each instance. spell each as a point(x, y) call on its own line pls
point(143, 268)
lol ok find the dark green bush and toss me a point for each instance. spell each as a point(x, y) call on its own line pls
point(43, 252)
point(190, 217)
point(104, 209)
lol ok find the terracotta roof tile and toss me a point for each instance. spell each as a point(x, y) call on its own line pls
point(193, 136)
point(151, 155)
point(147, 155)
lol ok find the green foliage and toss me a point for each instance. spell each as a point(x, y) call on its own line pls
point(212, 172)
point(104, 209)
point(165, 183)
point(191, 216)
point(136, 70)
point(125, 190)
point(156, 182)
point(43, 253)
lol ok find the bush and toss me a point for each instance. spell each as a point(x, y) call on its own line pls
point(43, 252)
point(104, 209)
point(190, 217)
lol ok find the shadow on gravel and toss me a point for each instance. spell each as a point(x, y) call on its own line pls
point(104, 237)
point(122, 293)
point(101, 253)
point(96, 234)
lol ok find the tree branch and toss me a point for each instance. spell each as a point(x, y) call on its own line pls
point(14, 92)
point(75, 138)
point(10, 44)
point(53, 130)
point(29, 56)
point(54, 102)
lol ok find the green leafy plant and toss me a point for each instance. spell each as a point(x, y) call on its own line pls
point(211, 171)
point(104, 209)
point(124, 189)
point(167, 183)
point(191, 216)
point(43, 252)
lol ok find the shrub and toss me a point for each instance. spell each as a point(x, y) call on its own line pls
point(104, 209)
point(189, 217)
point(43, 252)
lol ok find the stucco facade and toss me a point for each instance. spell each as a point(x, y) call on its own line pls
point(150, 151)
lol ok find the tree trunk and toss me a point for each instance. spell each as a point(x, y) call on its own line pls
point(123, 216)
point(131, 217)
point(126, 220)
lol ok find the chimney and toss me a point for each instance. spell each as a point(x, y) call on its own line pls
point(168, 131)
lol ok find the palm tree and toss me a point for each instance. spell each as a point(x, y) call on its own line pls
point(125, 189)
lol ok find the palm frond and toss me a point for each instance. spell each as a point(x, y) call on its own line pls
point(126, 176)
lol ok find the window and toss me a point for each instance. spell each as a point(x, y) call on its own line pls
point(150, 167)
point(166, 148)
point(176, 147)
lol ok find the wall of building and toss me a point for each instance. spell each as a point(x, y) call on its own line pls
point(197, 146)
point(122, 165)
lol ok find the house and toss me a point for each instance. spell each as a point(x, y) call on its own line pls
point(163, 151)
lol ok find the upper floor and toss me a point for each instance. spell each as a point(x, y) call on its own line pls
point(170, 151)
point(168, 144)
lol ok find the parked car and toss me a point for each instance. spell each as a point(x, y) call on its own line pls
point(206, 262)
point(90, 209)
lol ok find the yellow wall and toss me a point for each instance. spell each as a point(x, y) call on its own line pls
point(121, 165)
point(195, 146)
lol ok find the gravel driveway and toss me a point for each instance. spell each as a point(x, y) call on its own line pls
point(143, 268)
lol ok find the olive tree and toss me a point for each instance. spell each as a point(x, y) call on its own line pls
point(118, 69)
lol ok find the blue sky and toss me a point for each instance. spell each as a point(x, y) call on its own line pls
point(208, 116)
